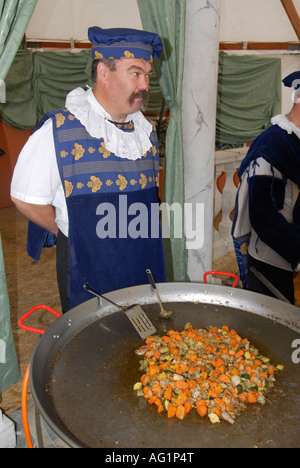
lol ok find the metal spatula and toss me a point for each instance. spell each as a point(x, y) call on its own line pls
point(135, 313)
point(269, 285)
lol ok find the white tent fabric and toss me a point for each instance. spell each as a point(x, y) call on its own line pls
point(241, 20)
point(256, 21)
point(68, 20)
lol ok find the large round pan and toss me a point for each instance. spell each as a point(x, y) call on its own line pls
point(84, 367)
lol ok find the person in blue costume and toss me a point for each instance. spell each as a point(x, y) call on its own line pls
point(266, 226)
point(87, 179)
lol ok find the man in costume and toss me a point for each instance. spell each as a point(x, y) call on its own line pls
point(266, 227)
point(87, 178)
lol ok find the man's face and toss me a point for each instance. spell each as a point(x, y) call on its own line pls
point(128, 85)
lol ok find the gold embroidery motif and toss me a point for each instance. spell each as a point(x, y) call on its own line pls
point(121, 182)
point(128, 126)
point(79, 185)
point(133, 182)
point(154, 150)
point(60, 119)
point(91, 150)
point(98, 55)
point(78, 151)
point(102, 150)
point(143, 180)
point(109, 183)
point(71, 117)
point(63, 154)
point(68, 188)
point(95, 184)
point(128, 54)
point(244, 249)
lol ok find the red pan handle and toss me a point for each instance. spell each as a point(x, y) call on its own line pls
point(221, 273)
point(32, 329)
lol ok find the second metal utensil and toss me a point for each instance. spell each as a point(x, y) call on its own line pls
point(163, 313)
point(269, 285)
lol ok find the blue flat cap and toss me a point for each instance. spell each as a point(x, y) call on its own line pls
point(120, 43)
point(292, 80)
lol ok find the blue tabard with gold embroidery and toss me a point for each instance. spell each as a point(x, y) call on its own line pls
point(113, 209)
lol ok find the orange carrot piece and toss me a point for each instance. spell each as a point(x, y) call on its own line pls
point(242, 397)
point(158, 401)
point(252, 396)
point(192, 383)
point(215, 389)
point(147, 392)
point(216, 411)
point(218, 362)
point(160, 409)
point(188, 407)
point(171, 411)
point(181, 412)
point(166, 339)
point(152, 399)
point(225, 378)
point(168, 394)
point(145, 379)
point(219, 403)
point(164, 365)
point(193, 357)
point(156, 388)
point(201, 409)
point(181, 399)
point(181, 384)
point(153, 370)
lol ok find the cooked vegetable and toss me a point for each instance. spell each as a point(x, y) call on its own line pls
point(214, 371)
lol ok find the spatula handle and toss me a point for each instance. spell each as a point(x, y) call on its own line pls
point(151, 279)
point(92, 291)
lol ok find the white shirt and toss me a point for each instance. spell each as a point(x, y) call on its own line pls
point(36, 177)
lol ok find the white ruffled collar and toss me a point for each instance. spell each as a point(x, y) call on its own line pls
point(130, 145)
point(283, 122)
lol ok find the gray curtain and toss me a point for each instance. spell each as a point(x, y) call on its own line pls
point(38, 82)
point(167, 19)
point(249, 95)
point(15, 16)
point(9, 367)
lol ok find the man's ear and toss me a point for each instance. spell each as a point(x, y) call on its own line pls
point(103, 72)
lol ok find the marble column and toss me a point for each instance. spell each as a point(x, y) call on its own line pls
point(199, 122)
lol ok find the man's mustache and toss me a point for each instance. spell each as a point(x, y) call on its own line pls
point(140, 94)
